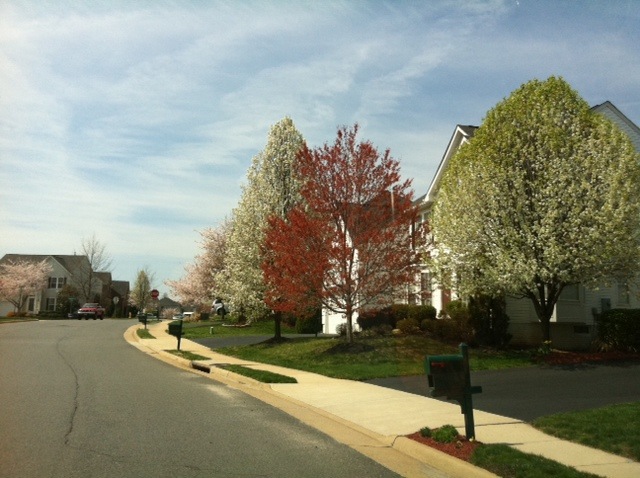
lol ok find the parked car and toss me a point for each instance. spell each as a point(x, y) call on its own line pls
point(91, 311)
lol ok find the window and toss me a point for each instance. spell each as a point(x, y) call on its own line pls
point(31, 304)
point(57, 282)
point(425, 288)
point(624, 295)
point(50, 304)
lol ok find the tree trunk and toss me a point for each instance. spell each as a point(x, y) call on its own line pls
point(349, 317)
point(545, 326)
point(278, 326)
point(544, 301)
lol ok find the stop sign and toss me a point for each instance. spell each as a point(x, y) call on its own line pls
point(155, 294)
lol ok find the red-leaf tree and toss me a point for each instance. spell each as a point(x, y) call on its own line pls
point(347, 246)
point(22, 278)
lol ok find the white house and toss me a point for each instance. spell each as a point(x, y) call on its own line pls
point(573, 324)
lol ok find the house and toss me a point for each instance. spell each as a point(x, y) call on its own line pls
point(573, 322)
point(66, 270)
point(120, 297)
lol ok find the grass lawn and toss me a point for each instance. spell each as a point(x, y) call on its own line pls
point(194, 330)
point(371, 357)
point(615, 429)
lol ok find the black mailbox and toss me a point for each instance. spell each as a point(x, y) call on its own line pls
point(446, 376)
point(175, 329)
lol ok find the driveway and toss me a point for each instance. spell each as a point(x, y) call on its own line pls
point(531, 392)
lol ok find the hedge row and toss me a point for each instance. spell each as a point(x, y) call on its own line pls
point(619, 329)
point(390, 316)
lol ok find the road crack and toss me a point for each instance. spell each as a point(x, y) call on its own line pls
point(76, 393)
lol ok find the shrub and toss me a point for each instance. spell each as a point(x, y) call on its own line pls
point(445, 434)
point(457, 310)
point(422, 312)
point(408, 326)
point(400, 312)
point(341, 329)
point(11, 314)
point(368, 319)
point(310, 325)
point(618, 330)
point(489, 321)
point(425, 432)
point(389, 316)
point(448, 330)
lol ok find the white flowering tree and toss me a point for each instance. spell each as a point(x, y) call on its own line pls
point(546, 194)
point(22, 278)
point(141, 293)
point(271, 188)
point(198, 285)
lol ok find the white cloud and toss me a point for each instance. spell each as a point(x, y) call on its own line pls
point(138, 120)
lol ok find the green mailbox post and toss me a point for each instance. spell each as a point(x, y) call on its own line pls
point(449, 377)
point(175, 329)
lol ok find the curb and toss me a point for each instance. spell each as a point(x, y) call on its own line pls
point(369, 443)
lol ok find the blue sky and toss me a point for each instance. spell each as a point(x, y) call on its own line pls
point(136, 121)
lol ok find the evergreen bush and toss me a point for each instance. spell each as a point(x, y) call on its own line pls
point(489, 321)
point(619, 330)
point(408, 326)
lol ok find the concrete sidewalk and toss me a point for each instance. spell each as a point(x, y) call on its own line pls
point(384, 416)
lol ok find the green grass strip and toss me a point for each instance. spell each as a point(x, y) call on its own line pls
point(613, 429)
point(508, 462)
point(187, 355)
point(259, 375)
point(144, 334)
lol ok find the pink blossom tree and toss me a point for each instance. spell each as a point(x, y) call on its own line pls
point(198, 285)
point(22, 278)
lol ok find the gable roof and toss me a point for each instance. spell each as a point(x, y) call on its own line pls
point(69, 263)
point(461, 135)
point(608, 110)
point(120, 287)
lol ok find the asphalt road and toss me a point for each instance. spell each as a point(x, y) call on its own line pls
point(531, 392)
point(77, 401)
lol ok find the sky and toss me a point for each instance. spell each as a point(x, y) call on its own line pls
point(136, 121)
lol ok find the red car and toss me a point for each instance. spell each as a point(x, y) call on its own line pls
point(91, 311)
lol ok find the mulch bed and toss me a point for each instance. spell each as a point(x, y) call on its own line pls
point(461, 448)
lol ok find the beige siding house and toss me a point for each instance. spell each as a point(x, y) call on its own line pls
point(65, 270)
